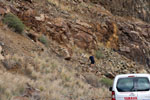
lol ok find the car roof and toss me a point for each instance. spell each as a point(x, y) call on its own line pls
point(132, 75)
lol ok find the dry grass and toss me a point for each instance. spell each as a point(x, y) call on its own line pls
point(51, 77)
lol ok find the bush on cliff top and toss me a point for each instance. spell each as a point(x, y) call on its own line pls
point(14, 22)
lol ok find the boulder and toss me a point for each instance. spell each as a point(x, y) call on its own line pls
point(109, 75)
point(40, 18)
point(83, 40)
point(125, 49)
point(67, 54)
point(63, 51)
point(60, 22)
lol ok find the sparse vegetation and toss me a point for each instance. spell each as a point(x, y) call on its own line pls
point(99, 54)
point(43, 39)
point(106, 82)
point(14, 22)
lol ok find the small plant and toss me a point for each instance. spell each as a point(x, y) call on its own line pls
point(99, 54)
point(43, 39)
point(106, 82)
point(14, 22)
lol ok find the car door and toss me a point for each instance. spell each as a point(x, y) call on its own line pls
point(125, 89)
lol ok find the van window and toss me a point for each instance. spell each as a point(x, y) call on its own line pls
point(125, 84)
point(133, 84)
point(143, 84)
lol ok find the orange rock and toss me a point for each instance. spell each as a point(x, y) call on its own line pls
point(2, 11)
point(83, 40)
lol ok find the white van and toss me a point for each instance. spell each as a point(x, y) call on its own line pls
point(131, 87)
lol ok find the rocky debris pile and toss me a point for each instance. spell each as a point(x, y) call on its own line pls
point(110, 64)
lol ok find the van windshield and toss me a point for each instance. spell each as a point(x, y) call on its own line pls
point(130, 84)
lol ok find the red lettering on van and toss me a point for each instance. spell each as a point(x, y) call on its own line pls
point(130, 98)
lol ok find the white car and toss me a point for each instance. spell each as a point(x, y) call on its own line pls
point(131, 87)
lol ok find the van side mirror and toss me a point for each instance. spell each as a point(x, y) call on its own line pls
point(110, 89)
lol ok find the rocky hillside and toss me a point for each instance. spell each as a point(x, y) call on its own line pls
point(85, 25)
point(133, 34)
point(31, 71)
point(127, 8)
point(49, 59)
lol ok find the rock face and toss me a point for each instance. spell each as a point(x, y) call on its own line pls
point(132, 8)
point(134, 41)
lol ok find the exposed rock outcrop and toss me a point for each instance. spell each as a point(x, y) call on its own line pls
point(134, 41)
point(127, 8)
point(89, 25)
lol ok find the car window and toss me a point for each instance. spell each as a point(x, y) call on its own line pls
point(125, 84)
point(143, 84)
point(133, 84)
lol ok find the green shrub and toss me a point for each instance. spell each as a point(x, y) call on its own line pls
point(99, 54)
point(106, 82)
point(43, 39)
point(14, 22)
